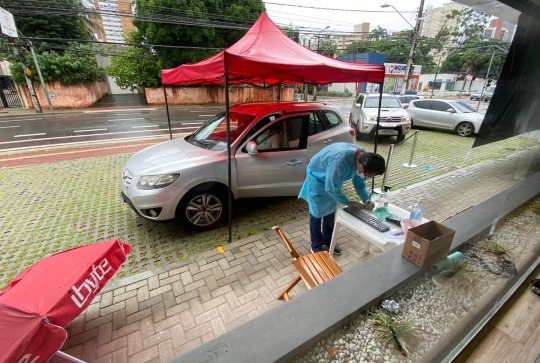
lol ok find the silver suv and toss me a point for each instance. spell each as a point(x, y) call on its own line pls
point(271, 145)
point(395, 121)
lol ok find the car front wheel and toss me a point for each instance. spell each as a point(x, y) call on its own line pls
point(465, 129)
point(400, 138)
point(203, 209)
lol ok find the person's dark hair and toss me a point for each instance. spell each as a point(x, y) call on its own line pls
point(372, 163)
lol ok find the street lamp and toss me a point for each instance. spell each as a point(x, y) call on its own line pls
point(489, 69)
point(416, 31)
point(397, 11)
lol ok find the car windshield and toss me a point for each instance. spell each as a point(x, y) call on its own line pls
point(387, 102)
point(213, 134)
point(462, 107)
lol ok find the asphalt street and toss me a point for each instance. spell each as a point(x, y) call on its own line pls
point(19, 131)
point(31, 130)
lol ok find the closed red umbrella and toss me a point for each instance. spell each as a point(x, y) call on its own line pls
point(42, 300)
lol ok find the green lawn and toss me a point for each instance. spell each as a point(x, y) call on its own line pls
point(54, 206)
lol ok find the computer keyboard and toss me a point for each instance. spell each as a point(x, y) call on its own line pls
point(367, 218)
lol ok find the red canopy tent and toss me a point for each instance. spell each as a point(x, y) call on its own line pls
point(266, 56)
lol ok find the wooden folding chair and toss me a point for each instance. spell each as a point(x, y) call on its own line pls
point(313, 269)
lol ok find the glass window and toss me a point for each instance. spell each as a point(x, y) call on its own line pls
point(387, 102)
point(423, 104)
point(360, 99)
point(315, 124)
point(462, 107)
point(261, 124)
point(282, 135)
point(213, 134)
point(440, 106)
point(333, 118)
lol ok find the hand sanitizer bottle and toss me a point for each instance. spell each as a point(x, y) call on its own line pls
point(383, 200)
point(416, 212)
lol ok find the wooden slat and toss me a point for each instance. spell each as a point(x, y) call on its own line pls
point(326, 272)
point(315, 269)
point(332, 264)
point(305, 274)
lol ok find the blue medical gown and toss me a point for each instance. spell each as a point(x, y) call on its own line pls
point(325, 174)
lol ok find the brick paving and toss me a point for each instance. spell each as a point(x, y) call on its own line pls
point(160, 314)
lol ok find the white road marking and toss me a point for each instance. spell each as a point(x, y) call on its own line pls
point(28, 135)
point(91, 130)
point(206, 115)
point(126, 119)
point(143, 126)
point(122, 110)
point(9, 127)
point(23, 119)
point(191, 123)
point(107, 134)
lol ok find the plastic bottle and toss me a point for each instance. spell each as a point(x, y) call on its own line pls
point(416, 212)
point(383, 200)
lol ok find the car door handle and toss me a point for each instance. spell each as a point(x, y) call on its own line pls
point(294, 162)
point(327, 141)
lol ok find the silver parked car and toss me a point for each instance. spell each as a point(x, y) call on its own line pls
point(395, 121)
point(271, 145)
point(446, 115)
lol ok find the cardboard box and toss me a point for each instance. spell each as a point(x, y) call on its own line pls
point(427, 243)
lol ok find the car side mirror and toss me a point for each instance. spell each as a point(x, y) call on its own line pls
point(251, 147)
point(451, 110)
point(405, 106)
point(357, 105)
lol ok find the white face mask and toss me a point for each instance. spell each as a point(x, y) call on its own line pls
point(360, 174)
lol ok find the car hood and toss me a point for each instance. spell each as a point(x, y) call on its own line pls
point(168, 157)
point(386, 112)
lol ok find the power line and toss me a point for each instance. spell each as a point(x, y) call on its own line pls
point(334, 9)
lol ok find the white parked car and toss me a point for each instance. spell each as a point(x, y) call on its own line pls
point(455, 116)
point(395, 121)
point(271, 145)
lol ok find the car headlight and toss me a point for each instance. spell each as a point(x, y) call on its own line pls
point(156, 181)
point(371, 118)
point(405, 118)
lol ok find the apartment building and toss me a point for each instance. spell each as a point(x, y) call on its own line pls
point(115, 20)
point(360, 32)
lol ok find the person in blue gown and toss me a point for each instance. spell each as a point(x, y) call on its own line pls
point(325, 174)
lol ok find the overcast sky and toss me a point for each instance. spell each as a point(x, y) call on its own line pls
point(344, 20)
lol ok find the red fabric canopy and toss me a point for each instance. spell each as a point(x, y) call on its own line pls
point(265, 55)
point(42, 300)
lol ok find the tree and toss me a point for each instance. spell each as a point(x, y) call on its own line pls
point(396, 50)
point(327, 45)
point(55, 19)
point(202, 27)
point(76, 65)
point(379, 33)
point(137, 67)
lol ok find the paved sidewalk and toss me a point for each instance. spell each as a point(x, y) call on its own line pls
point(160, 314)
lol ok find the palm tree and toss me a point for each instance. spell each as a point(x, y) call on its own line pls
point(379, 33)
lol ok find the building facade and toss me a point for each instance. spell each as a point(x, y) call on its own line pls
point(115, 20)
point(435, 18)
point(500, 29)
point(361, 32)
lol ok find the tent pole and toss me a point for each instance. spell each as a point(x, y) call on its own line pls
point(279, 91)
point(378, 117)
point(228, 123)
point(377, 130)
point(167, 108)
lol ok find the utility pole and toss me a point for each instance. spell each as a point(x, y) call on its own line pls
point(43, 85)
point(416, 32)
point(26, 72)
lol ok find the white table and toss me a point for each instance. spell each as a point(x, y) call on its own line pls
point(383, 240)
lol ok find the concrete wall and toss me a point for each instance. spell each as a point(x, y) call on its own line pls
point(214, 95)
point(75, 96)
